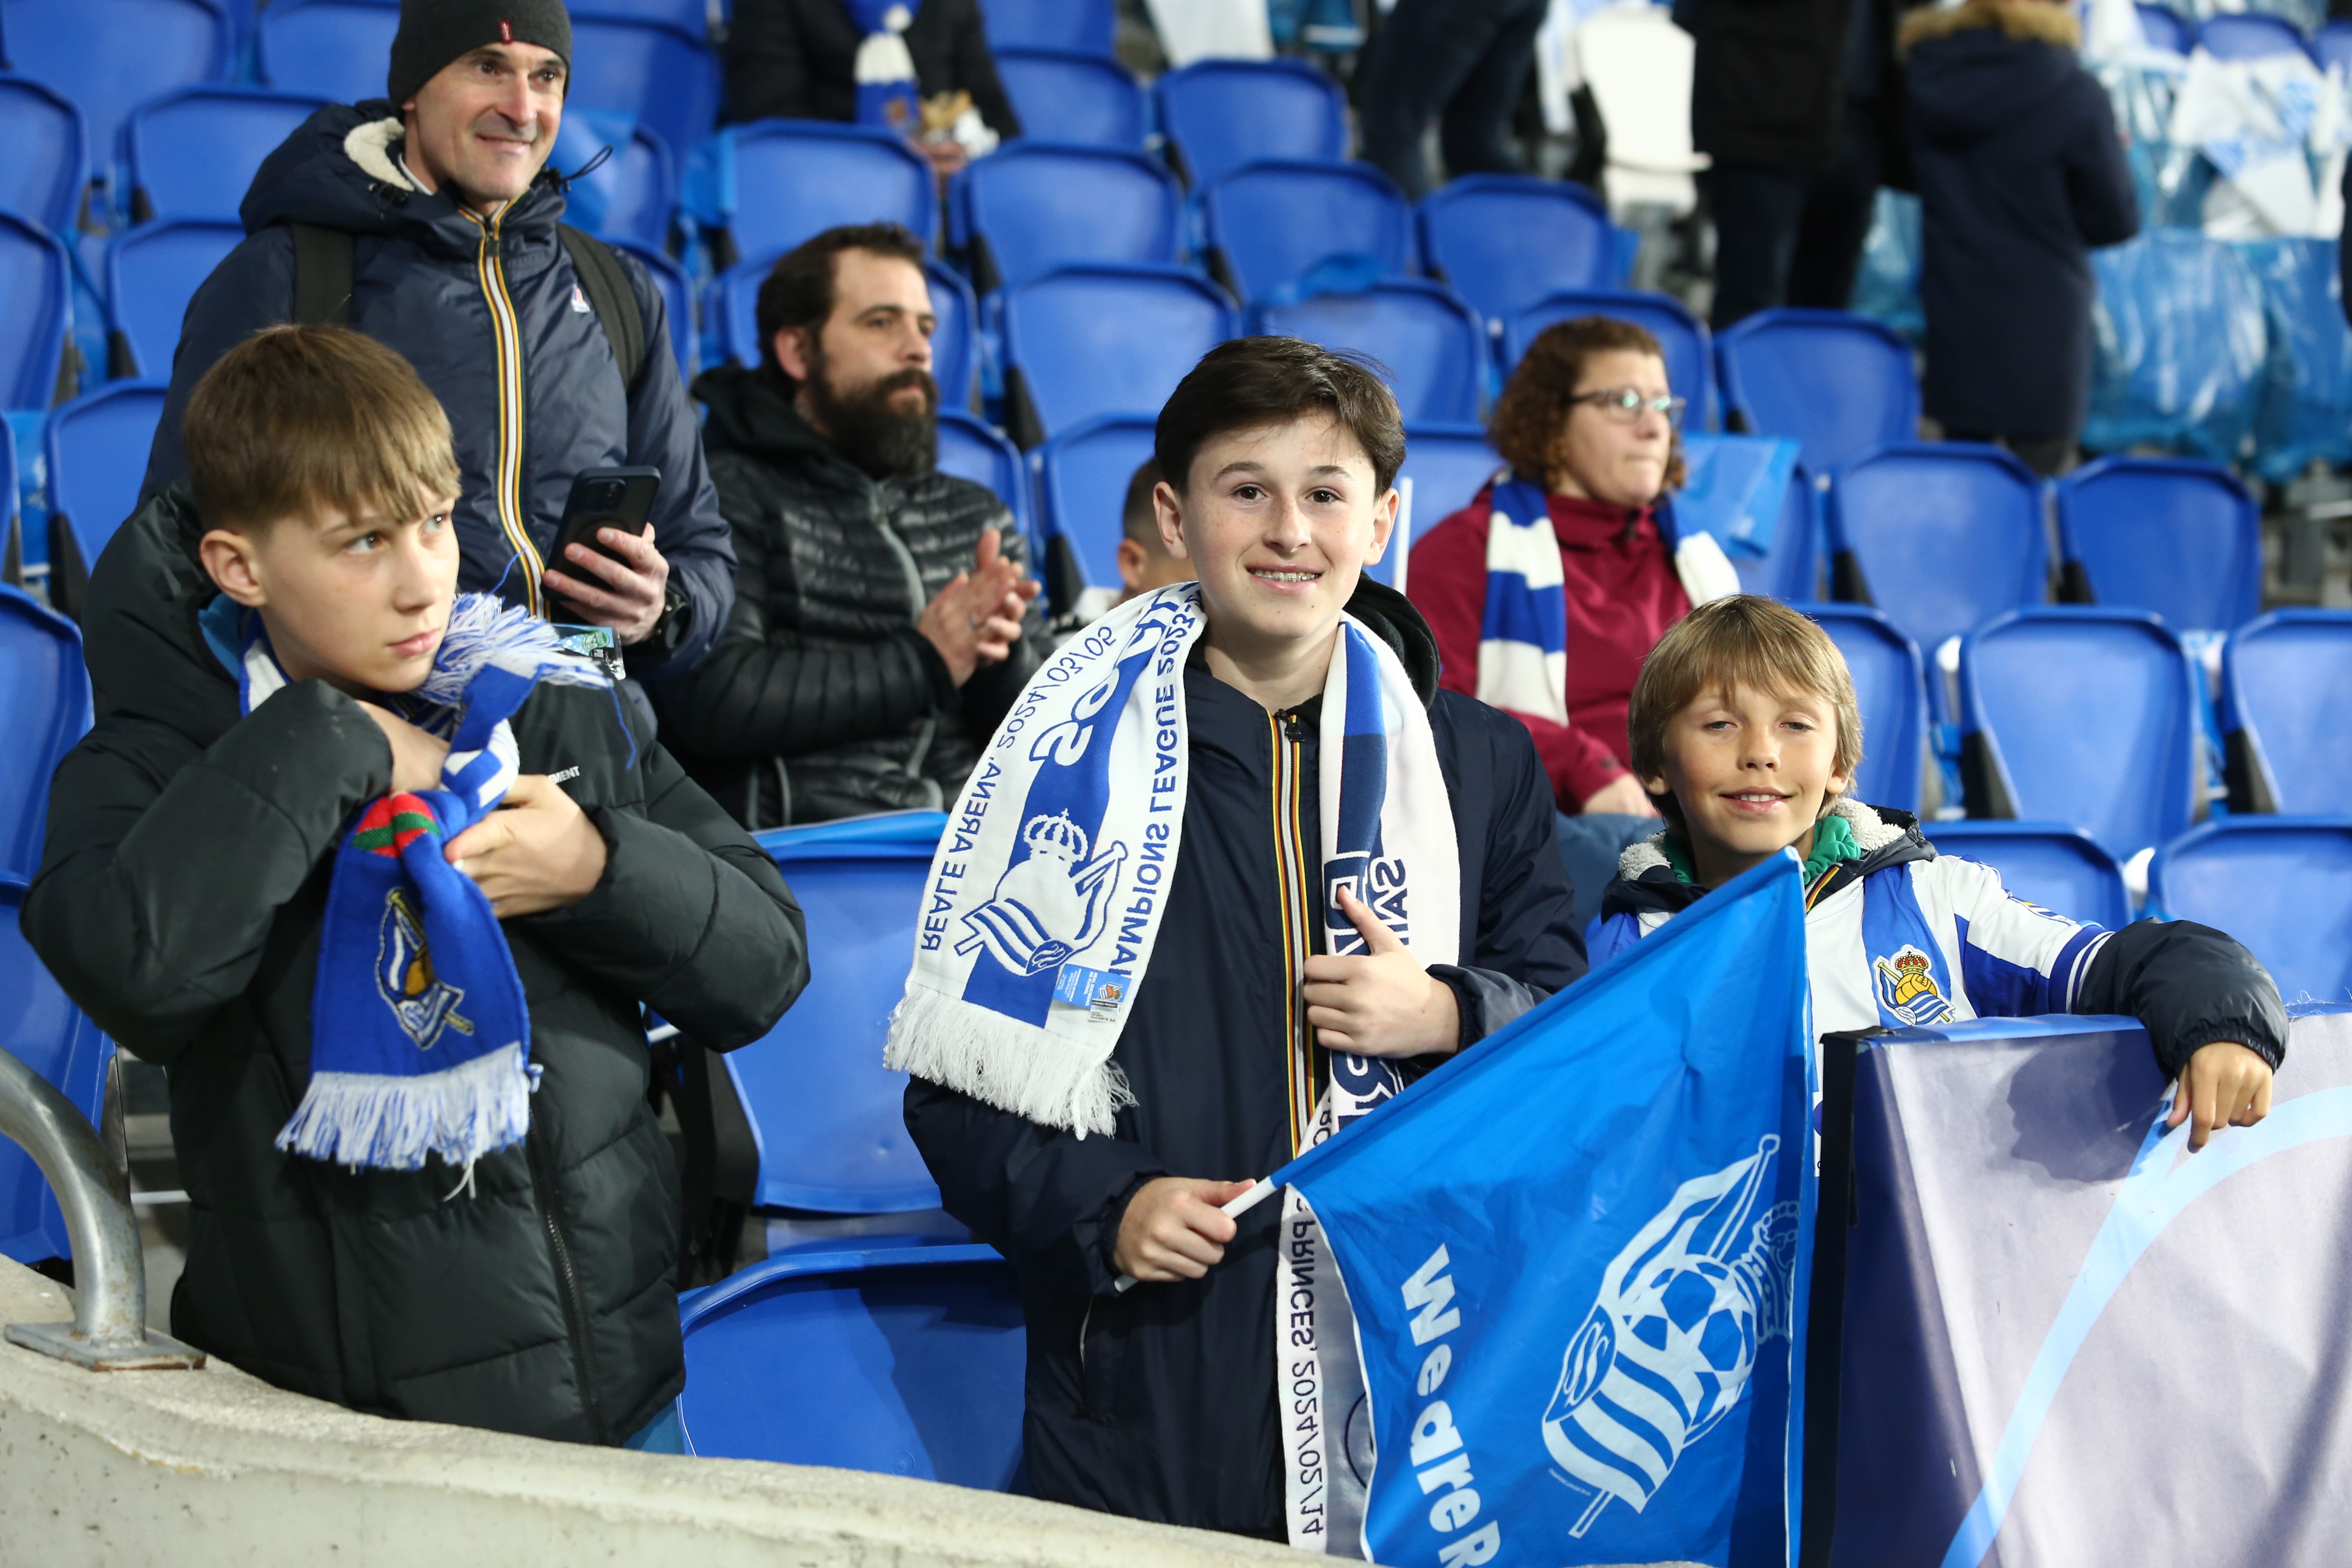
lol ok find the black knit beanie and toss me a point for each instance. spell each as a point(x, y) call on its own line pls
point(434, 32)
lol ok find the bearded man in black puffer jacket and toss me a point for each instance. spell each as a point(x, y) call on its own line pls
point(883, 621)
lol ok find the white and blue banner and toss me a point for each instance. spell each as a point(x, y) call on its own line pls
point(1573, 1256)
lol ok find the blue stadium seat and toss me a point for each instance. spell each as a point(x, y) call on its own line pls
point(2060, 868)
point(677, 299)
point(2250, 35)
point(2164, 28)
point(1083, 340)
point(1690, 348)
point(1943, 534)
point(36, 279)
point(10, 504)
point(1271, 224)
point(1032, 206)
point(96, 450)
point(631, 194)
point(44, 709)
point(2084, 716)
point(1791, 570)
point(972, 449)
point(1431, 344)
point(337, 49)
point(41, 179)
point(954, 358)
point(110, 56)
point(1505, 240)
point(1082, 479)
point(2170, 534)
point(2333, 46)
point(686, 16)
point(40, 1026)
point(2282, 885)
point(827, 1116)
point(1067, 95)
point(777, 182)
point(1085, 26)
point(665, 76)
point(1840, 384)
point(1448, 465)
point(1221, 114)
point(2283, 680)
point(908, 1362)
point(193, 154)
point(150, 275)
point(1890, 688)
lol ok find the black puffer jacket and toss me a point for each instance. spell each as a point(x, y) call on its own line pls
point(795, 59)
point(533, 393)
point(180, 902)
point(820, 700)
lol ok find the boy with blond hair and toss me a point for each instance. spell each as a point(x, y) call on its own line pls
point(1744, 729)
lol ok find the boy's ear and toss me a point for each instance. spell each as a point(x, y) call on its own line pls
point(1384, 521)
point(230, 561)
point(1171, 514)
point(1656, 785)
point(1130, 565)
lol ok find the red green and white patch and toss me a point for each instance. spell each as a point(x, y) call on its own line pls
point(389, 826)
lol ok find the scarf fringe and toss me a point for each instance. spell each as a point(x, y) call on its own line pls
point(484, 632)
point(391, 1123)
point(1002, 1062)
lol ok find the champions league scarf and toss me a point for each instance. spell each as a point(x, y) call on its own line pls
point(1045, 899)
point(420, 1040)
point(884, 70)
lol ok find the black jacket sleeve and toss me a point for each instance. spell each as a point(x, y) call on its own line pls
point(2190, 985)
point(166, 864)
point(688, 529)
point(1049, 1200)
point(2098, 176)
point(767, 66)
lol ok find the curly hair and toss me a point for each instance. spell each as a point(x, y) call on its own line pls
point(1532, 414)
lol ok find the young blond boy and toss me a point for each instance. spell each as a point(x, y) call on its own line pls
point(1744, 729)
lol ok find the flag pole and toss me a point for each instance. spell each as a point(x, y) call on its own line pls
point(1238, 1207)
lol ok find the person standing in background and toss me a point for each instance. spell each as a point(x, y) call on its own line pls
point(1460, 62)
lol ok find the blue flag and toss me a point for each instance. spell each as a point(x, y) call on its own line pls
point(1575, 1254)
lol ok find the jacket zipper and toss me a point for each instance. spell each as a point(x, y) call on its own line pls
point(490, 270)
point(1286, 732)
point(917, 601)
point(575, 1310)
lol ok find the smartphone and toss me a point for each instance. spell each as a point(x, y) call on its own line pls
point(603, 498)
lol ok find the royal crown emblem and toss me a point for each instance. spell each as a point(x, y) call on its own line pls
point(1050, 906)
point(1906, 988)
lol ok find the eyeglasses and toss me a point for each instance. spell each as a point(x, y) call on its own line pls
point(1625, 403)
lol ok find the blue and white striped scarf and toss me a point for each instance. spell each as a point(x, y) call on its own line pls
point(884, 70)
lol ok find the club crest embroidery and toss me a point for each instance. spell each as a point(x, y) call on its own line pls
point(423, 1002)
point(1907, 989)
point(1051, 905)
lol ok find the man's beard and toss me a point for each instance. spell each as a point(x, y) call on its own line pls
point(869, 428)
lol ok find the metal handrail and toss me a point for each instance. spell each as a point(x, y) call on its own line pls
point(109, 1331)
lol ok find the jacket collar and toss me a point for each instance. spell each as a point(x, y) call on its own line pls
point(2033, 21)
point(1646, 880)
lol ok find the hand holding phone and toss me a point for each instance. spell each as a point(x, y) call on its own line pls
point(626, 595)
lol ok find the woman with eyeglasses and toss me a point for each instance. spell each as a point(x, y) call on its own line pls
point(1548, 613)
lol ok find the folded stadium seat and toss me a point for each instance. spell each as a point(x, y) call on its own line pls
point(193, 154)
point(1791, 570)
point(2250, 35)
point(1890, 688)
point(36, 278)
point(1221, 114)
point(1065, 95)
point(2282, 885)
point(110, 56)
point(1503, 241)
point(337, 49)
point(97, 452)
point(630, 196)
point(2162, 28)
point(972, 449)
point(1432, 346)
point(1690, 348)
point(1940, 535)
point(2084, 716)
point(665, 76)
point(2283, 680)
point(1448, 465)
point(735, 300)
point(2170, 534)
point(774, 183)
point(1276, 227)
point(1033, 205)
point(150, 275)
point(1099, 339)
point(906, 1362)
point(2333, 46)
point(1081, 27)
point(1081, 479)
point(48, 164)
point(2060, 868)
point(677, 299)
point(1840, 384)
point(686, 16)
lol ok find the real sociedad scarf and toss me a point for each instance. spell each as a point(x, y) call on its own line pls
point(884, 69)
point(420, 1039)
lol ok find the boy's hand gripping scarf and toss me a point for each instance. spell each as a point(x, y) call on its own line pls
point(1044, 901)
point(884, 70)
point(420, 1040)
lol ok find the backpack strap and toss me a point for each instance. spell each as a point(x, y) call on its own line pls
point(322, 275)
point(606, 284)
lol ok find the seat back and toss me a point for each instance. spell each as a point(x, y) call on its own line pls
point(1035, 205)
point(35, 279)
point(151, 273)
point(2282, 885)
point(2060, 868)
point(1085, 26)
point(98, 446)
point(666, 77)
point(1083, 340)
point(1082, 479)
point(1271, 223)
point(689, 16)
point(1791, 570)
point(795, 178)
point(2169, 534)
point(1839, 383)
point(1890, 691)
point(1066, 96)
point(677, 299)
point(1448, 465)
point(1221, 114)
point(193, 154)
point(972, 449)
point(2333, 46)
point(44, 709)
point(2283, 678)
point(40, 1026)
point(48, 164)
point(110, 56)
point(825, 1112)
point(1505, 240)
point(2162, 28)
point(1431, 344)
point(906, 1361)
point(333, 49)
point(1689, 348)
point(2084, 716)
point(2250, 35)
point(1946, 534)
point(627, 197)
point(954, 359)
